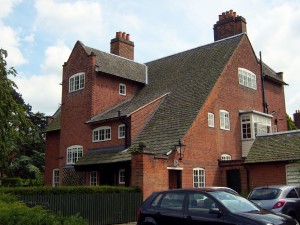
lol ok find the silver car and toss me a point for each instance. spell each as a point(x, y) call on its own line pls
point(283, 199)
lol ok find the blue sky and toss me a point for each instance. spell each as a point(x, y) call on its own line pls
point(40, 34)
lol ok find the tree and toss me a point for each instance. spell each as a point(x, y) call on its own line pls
point(17, 129)
point(290, 123)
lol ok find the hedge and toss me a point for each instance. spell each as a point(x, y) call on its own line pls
point(67, 190)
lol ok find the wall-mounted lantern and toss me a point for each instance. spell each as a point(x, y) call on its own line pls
point(180, 149)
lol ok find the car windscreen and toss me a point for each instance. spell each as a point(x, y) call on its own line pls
point(234, 203)
point(264, 194)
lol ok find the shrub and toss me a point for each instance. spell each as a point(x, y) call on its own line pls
point(16, 213)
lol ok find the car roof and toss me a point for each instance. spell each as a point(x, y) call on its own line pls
point(282, 187)
point(205, 189)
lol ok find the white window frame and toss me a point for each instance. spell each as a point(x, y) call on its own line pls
point(245, 123)
point(224, 120)
point(122, 89)
point(198, 177)
point(211, 119)
point(55, 178)
point(74, 153)
point(122, 176)
point(247, 78)
point(76, 82)
point(93, 178)
point(121, 131)
point(225, 157)
point(258, 125)
point(101, 134)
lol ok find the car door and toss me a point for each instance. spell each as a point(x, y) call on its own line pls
point(170, 210)
point(202, 209)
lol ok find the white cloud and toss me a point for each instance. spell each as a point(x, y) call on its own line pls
point(29, 38)
point(43, 91)
point(78, 19)
point(9, 41)
point(7, 6)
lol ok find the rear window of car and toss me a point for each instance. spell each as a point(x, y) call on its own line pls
point(264, 194)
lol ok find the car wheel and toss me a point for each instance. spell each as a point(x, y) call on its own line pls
point(149, 221)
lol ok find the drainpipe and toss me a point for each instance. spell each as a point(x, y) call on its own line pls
point(126, 121)
point(265, 105)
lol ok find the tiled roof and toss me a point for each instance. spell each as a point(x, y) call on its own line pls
point(55, 124)
point(118, 66)
point(271, 74)
point(282, 146)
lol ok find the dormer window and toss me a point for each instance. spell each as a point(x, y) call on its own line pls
point(225, 157)
point(76, 82)
point(122, 89)
point(254, 123)
point(247, 78)
point(121, 131)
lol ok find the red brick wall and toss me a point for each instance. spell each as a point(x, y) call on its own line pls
point(149, 172)
point(105, 93)
point(52, 155)
point(276, 102)
point(266, 174)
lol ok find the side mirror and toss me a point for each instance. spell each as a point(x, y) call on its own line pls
point(215, 211)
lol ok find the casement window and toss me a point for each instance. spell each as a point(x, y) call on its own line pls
point(122, 176)
point(247, 78)
point(198, 177)
point(76, 82)
point(122, 89)
point(74, 153)
point(93, 178)
point(254, 124)
point(211, 120)
point(121, 131)
point(225, 157)
point(102, 134)
point(224, 120)
point(246, 127)
point(55, 178)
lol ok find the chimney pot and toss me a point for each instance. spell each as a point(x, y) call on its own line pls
point(122, 46)
point(128, 37)
point(124, 35)
point(234, 14)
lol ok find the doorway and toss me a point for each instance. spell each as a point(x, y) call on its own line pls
point(234, 179)
point(175, 179)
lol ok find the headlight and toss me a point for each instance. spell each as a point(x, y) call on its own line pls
point(296, 222)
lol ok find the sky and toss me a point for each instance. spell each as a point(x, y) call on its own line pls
point(39, 36)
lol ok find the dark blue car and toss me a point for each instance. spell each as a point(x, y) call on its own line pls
point(205, 206)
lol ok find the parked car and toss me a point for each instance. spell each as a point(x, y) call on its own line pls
point(209, 206)
point(278, 198)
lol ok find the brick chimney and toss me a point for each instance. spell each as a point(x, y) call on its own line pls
point(297, 118)
point(229, 24)
point(122, 46)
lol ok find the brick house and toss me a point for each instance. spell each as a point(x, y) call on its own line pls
point(182, 121)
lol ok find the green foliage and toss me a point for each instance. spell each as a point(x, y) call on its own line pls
point(290, 123)
point(18, 182)
point(20, 129)
point(68, 190)
point(17, 213)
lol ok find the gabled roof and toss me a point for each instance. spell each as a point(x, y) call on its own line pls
point(187, 78)
point(282, 146)
point(118, 66)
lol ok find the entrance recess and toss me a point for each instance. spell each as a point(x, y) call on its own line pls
point(234, 180)
point(175, 179)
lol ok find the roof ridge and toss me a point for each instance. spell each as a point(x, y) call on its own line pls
point(202, 46)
